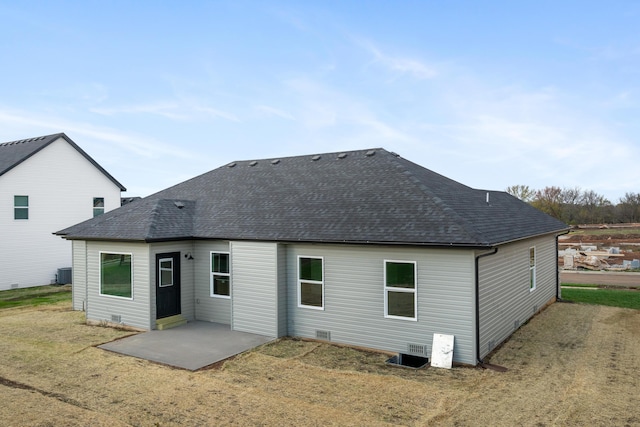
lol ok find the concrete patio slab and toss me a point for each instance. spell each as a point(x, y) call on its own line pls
point(192, 346)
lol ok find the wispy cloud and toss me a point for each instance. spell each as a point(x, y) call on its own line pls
point(397, 63)
point(274, 112)
point(163, 109)
point(138, 145)
point(178, 111)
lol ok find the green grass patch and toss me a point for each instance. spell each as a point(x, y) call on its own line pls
point(38, 295)
point(605, 231)
point(610, 297)
point(578, 285)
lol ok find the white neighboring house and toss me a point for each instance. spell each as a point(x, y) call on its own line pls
point(46, 183)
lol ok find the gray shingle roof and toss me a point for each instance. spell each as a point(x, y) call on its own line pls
point(15, 152)
point(365, 196)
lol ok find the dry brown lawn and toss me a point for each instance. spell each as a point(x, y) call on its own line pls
point(572, 365)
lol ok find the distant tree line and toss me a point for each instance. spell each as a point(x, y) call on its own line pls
point(577, 206)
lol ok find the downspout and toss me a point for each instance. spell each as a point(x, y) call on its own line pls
point(558, 292)
point(495, 250)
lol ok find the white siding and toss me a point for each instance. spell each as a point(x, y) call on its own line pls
point(79, 271)
point(254, 268)
point(208, 308)
point(61, 185)
point(135, 312)
point(354, 298)
point(187, 268)
point(506, 301)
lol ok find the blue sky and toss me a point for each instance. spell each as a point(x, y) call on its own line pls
point(489, 93)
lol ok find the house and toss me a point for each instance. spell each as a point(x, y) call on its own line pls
point(46, 183)
point(363, 247)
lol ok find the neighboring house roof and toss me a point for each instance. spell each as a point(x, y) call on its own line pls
point(15, 152)
point(364, 196)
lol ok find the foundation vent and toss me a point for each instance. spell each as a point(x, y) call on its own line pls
point(15, 286)
point(323, 335)
point(116, 318)
point(491, 345)
point(417, 349)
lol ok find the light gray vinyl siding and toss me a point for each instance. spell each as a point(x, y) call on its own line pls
point(282, 291)
point(254, 267)
point(208, 308)
point(134, 312)
point(506, 301)
point(187, 267)
point(79, 272)
point(354, 298)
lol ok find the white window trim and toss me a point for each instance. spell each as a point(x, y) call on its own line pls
point(101, 208)
point(532, 269)
point(406, 290)
point(100, 275)
point(311, 307)
point(211, 275)
point(20, 207)
point(160, 270)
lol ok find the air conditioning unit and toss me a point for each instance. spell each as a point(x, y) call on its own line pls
point(64, 276)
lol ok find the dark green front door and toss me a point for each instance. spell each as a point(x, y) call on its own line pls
point(167, 284)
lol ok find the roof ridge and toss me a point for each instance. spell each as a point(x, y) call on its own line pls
point(312, 156)
point(465, 224)
point(153, 218)
point(26, 140)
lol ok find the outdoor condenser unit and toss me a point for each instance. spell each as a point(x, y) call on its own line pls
point(64, 276)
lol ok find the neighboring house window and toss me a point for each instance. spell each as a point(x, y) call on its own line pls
point(220, 275)
point(20, 207)
point(532, 268)
point(116, 275)
point(400, 296)
point(165, 272)
point(311, 282)
point(98, 206)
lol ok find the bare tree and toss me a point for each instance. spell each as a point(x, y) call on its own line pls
point(629, 208)
point(549, 200)
point(522, 192)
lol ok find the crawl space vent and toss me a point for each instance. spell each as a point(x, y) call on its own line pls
point(116, 318)
point(323, 335)
point(417, 349)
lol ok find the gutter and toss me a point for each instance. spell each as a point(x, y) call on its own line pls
point(558, 292)
point(495, 251)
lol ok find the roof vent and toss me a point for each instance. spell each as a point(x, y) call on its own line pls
point(342, 155)
point(394, 154)
point(275, 161)
point(253, 163)
point(370, 153)
point(316, 158)
point(230, 165)
point(179, 205)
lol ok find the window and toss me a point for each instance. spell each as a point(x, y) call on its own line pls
point(20, 207)
point(165, 272)
point(532, 268)
point(400, 289)
point(116, 276)
point(311, 282)
point(220, 276)
point(98, 206)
